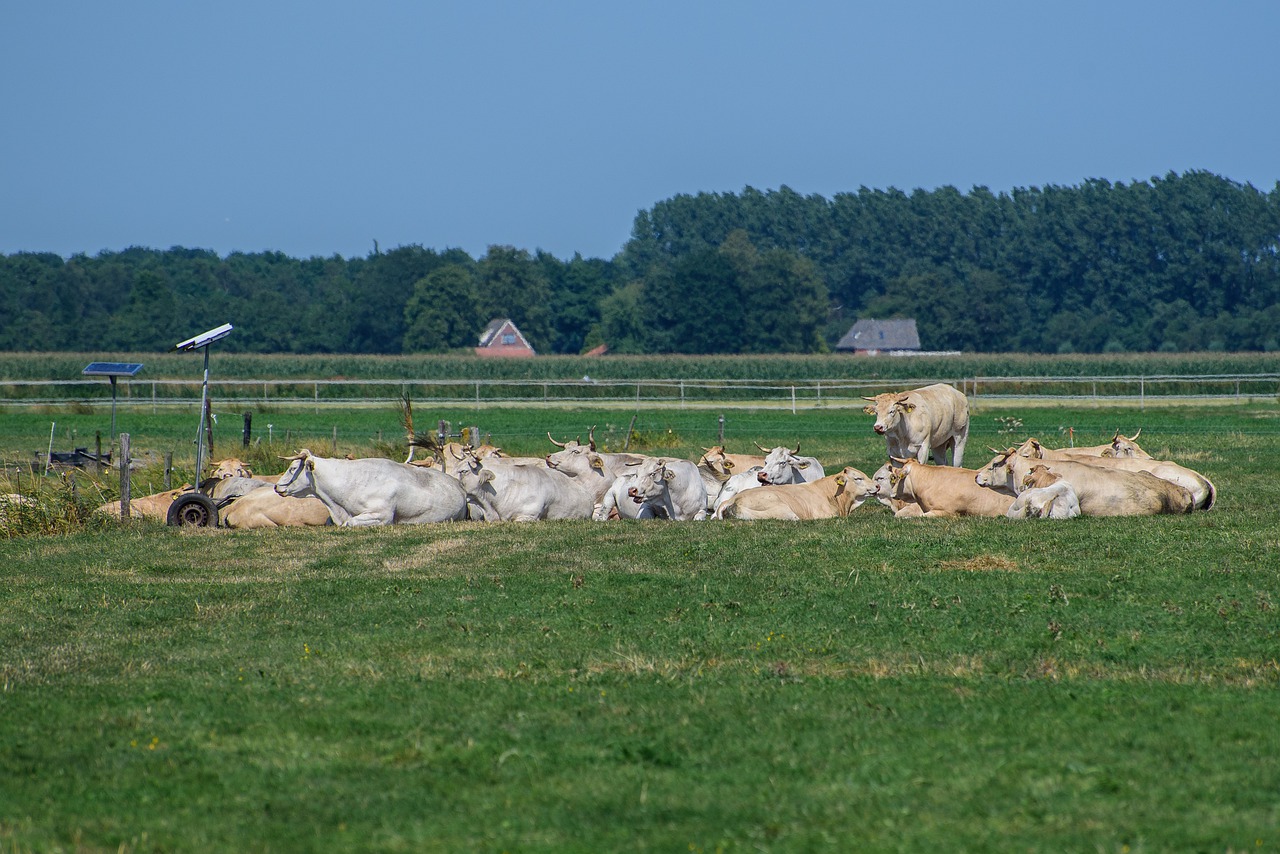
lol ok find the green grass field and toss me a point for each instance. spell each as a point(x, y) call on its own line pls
point(857, 684)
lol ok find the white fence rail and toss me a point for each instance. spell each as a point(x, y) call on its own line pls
point(793, 394)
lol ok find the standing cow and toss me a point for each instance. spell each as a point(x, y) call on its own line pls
point(934, 418)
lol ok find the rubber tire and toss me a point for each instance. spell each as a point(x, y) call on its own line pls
point(193, 508)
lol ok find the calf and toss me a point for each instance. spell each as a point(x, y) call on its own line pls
point(1044, 495)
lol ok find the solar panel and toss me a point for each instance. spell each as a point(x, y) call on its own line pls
point(112, 369)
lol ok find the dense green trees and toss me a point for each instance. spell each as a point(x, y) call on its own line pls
point(1183, 262)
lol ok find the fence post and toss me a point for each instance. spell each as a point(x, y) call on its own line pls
point(97, 451)
point(722, 429)
point(168, 470)
point(248, 427)
point(793, 400)
point(124, 475)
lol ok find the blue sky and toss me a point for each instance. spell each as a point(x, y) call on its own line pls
point(315, 128)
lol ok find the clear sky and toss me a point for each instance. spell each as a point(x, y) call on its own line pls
point(318, 127)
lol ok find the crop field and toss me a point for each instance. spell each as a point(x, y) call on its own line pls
point(867, 683)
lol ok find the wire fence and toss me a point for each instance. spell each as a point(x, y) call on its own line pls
point(793, 394)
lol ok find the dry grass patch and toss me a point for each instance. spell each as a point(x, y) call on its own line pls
point(982, 563)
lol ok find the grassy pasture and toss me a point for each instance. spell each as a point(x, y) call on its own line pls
point(867, 683)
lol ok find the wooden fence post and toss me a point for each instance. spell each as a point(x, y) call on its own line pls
point(168, 470)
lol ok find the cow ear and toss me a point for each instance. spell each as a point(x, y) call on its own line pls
point(668, 474)
point(597, 461)
point(869, 410)
point(909, 407)
point(840, 480)
point(311, 464)
point(728, 464)
point(486, 476)
point(802, 466)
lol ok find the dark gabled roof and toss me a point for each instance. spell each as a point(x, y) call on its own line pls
point(869, 334)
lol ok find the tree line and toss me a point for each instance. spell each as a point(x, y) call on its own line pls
point(1181, 263)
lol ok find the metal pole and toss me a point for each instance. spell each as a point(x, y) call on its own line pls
point(204, 402)
point(113, 405)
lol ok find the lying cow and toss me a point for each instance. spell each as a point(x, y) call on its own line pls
point(233, 467)
point(617, 503)
point(1044, 495)
point(882, 489)
point(374, 491)
point(826, 498)
point(1203, 492)
point(782, 466)
point(739, 482)
point(155, 507)
point(672, 488)
point(934, 418)
point(1101, 491)
point(509, 491)
point(946, 490)
point(264, 508)
point(716, 467)
point(594, 469)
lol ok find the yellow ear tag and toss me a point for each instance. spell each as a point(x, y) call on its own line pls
point(840, 481)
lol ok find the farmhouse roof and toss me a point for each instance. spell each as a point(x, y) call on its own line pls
point(871, 334)
point(492, 336)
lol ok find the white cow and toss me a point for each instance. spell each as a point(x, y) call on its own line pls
point(736, 483)
point(596, 470)
point(673, 488)
point(913, 423)
point(618, 502)
point(522, 492)
point(783, 466)
point(374, 491)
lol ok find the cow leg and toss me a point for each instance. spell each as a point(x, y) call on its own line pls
point(364, 520)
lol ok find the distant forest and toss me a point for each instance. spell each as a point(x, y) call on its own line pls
point(1187, 262)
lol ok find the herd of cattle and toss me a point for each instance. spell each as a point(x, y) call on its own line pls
point(579, 481)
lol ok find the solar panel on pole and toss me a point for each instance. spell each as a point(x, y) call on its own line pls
point(112, 370)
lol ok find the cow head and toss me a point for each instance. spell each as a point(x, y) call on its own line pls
point(1039, 477)
point(652, 478)
point(1126, 446)
point(889, 410)
point(782, 466)
point(852, 488)
point(1031, 449)
point(999, 473)
point(299, 477)
point(230, 467)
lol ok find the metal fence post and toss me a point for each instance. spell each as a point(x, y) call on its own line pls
point(124, 475)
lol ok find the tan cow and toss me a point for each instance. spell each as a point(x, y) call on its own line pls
point(1119, 446)
point(1102, 491)
point(830, 497)
point(716, 467)
point(1203, 492)
point(263, 508)
point(946, 490)
point(883, 488)
point(232, 467)
point(934, 418)
point(154, 506)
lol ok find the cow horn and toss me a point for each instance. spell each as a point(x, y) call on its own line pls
point(554, 442)
point(301, 455)
point(591, 437)
point(1134, 437)
point(872, 399)
point(797, 450)
point(455, 454)
point(761, 447)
